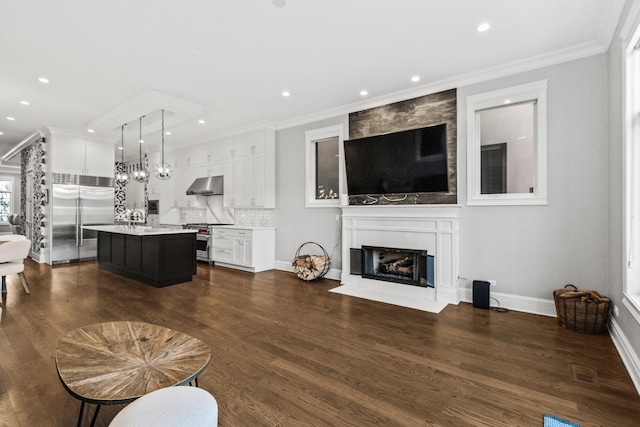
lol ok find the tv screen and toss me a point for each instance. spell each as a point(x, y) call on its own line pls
point(411, 161)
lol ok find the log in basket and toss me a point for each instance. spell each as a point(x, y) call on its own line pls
point(581, 310)
point(311, 267)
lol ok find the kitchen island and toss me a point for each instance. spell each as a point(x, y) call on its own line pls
point(156, 256)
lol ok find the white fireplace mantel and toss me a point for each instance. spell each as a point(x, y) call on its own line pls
point(433, 228)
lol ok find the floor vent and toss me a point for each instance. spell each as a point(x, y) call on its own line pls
point(584, 374)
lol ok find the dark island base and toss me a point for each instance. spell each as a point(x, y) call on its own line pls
point(158, 260)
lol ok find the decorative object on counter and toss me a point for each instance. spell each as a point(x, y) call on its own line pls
point(163, 170)
point(122, 177)
point(581, 310)
point(311, 267)
point(140, 172)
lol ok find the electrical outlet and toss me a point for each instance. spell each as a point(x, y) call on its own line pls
point(338, 217)
point(492, 282)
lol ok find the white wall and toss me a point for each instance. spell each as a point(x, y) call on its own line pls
point(532, 250)
point(297, 224)
point(528, 250)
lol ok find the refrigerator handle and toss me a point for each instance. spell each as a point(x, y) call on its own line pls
point(80, 229)
point(77, 220)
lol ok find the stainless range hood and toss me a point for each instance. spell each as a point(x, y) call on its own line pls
point(208, 186)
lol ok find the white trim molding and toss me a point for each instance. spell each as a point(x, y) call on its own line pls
point(313, 137)
point(540, 306)
point(625, 349)
point(535, 91)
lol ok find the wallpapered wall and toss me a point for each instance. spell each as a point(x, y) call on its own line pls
point(33, 159)
point(120, 194)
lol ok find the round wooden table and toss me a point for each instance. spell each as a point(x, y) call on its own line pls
point(117, 362)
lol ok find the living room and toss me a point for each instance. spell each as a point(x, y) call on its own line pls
point(576, 236)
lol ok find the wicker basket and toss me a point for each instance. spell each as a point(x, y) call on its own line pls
point(311, 267)
point(581, 311)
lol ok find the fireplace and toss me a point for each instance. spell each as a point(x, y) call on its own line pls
point(406, 266)
point(431, 229)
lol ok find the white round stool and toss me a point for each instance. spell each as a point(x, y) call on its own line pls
point(179, 406)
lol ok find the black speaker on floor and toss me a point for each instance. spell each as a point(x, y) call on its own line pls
point(481, 294)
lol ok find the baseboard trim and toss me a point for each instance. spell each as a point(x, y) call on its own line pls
point(627, 354)
point(531, 305)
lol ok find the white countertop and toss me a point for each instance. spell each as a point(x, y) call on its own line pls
point(242, 227)
point(138, 230)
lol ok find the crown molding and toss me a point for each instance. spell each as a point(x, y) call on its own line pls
point(580, 51)
point(263, 125)
point(22, 145)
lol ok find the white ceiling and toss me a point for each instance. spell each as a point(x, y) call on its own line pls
point(228, 62)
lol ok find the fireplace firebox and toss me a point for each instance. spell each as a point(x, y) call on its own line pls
point(407, 266)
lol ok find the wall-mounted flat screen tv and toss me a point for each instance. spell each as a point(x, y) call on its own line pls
point(411, 161)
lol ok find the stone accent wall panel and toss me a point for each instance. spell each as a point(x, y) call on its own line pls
point(428, 110)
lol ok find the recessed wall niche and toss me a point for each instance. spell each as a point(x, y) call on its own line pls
point(428, 110)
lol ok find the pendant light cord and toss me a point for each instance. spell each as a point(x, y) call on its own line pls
point(140, 144)
point(162, 138)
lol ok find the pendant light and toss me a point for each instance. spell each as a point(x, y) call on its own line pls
point(122, 177)
point(163, 170)
point(140, 173)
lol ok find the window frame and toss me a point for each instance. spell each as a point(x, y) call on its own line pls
point(12, 201)
point(631, 162)
point(536, 92)
point(312, 137)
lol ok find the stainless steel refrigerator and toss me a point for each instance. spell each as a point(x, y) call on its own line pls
point(79, 200)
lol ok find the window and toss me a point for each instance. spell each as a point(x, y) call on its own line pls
point(506, 146)
point(6, 193)
point(631, 93)
point(325, 168)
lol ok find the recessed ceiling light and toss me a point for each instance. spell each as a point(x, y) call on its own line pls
point(120, 147)
point(483, 27)
point(10, 118)
point(167, 133)
point(1, 133)
point(364, 93)
point(90, 130)
point(201, 121)
point(415, 78)
point(507, 101)
point(24, 102)
point(43, 80)
point(279, 3)
point(286, 93)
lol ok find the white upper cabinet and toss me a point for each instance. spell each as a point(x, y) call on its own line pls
point(247, 162)
point(78, 155)
point(252, 174)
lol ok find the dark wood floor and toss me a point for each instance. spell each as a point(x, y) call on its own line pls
point(290, 353)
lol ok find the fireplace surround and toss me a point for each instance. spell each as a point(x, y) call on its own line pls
point(432, 228)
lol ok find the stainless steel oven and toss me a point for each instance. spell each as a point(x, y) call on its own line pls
point(203, 240)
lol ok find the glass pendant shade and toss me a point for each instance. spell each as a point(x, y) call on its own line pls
point(122, 177)
point(140, 173)
point(163, 170)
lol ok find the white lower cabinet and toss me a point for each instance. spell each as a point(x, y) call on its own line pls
point(250, 249)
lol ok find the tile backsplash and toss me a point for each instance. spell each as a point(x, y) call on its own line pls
point(255, 217)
